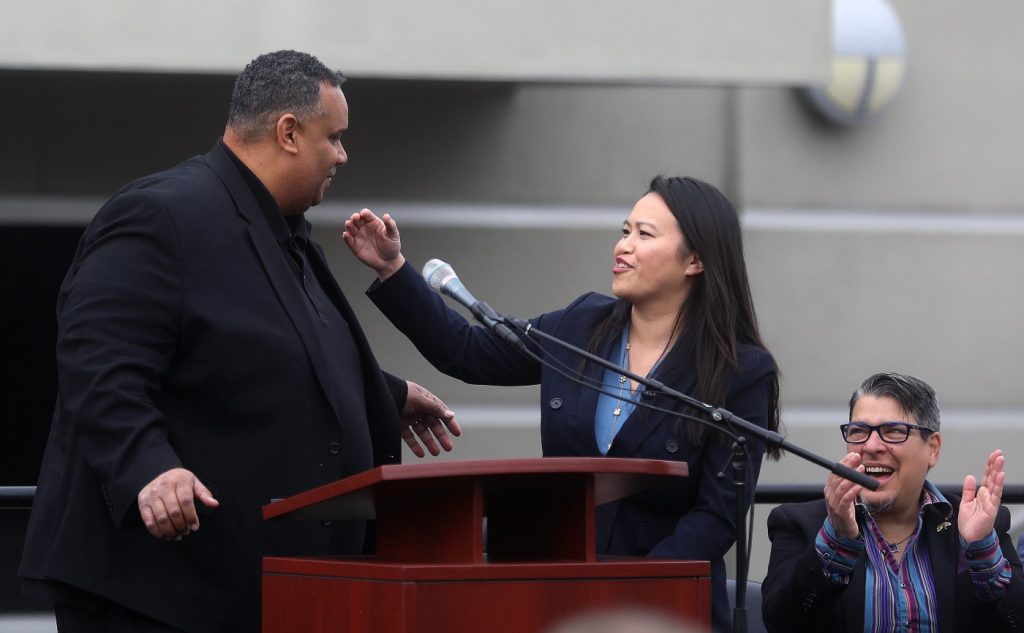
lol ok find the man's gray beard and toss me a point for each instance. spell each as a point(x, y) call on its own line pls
point(879, 507)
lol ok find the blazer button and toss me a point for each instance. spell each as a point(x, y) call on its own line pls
point(325, 523)
point(672, 446)
point(334, 448)
point(556, 403)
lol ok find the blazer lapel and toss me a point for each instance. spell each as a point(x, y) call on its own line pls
point(642, 423)
point(853, 599)
point(943, 544)
point(333, 290)
point(275, 267)
point(586, 408)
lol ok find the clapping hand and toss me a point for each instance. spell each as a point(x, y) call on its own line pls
point(979, 504)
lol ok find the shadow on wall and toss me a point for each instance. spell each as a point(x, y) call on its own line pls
point(39, 257)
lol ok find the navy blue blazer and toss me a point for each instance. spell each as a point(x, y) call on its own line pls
point(796, 595)
point(184, 341)
point(694, 519)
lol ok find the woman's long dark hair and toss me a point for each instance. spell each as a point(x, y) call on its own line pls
point(718, 315)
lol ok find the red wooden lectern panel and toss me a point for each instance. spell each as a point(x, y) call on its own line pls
point(431, 573)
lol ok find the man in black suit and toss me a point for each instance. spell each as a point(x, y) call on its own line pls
point(902, 557)
point(208, 363)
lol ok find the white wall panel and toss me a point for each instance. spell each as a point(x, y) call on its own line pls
point(714, 41)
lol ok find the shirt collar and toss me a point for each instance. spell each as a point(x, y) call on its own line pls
point(283, 228)
point(931, 499)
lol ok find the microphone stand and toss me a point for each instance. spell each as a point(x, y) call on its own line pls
point(723, 419)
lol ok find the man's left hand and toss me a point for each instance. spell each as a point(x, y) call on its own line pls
point(979, 504)
point(426, 420)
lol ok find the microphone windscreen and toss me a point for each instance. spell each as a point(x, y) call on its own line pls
point(438, 273)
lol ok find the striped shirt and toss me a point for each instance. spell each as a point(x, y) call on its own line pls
point(900, 595)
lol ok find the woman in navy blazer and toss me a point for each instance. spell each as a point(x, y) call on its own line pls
point(682, 313)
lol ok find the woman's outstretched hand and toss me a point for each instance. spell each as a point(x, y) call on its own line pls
point(375, 242)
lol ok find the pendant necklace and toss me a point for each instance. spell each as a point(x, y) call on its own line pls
point(895, 547)
point(623, 381)
point(617, 411)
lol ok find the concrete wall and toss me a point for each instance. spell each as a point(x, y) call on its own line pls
point(716, 41)
point(950, 142)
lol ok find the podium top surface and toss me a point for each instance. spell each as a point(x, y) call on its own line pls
point(353, 497)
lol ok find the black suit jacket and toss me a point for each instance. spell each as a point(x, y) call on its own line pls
point(798, 597)
point(691, 519)
point(184, 342)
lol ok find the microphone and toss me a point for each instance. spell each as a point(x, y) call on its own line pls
point(442, 278)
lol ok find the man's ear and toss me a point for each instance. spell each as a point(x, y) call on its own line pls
point(285, 133)
point(694, 265)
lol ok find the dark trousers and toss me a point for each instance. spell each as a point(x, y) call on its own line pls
point(111, 618)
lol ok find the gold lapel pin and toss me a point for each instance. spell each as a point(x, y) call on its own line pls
point(943, 526)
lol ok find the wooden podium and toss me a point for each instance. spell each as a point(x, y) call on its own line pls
point(431, 572)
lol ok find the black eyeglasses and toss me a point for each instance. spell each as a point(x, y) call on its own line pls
point(890, 432)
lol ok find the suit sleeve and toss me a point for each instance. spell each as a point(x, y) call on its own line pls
point(445, 338)
point(796, 594)
point(1008, 613)
point(399, 389)
point(708, 528)
point(117, 332)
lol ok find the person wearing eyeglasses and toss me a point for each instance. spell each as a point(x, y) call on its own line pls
point(903, 557)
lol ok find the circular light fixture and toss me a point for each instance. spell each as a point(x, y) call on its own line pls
point(868, 62)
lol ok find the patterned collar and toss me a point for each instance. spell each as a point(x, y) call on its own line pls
point(931, 501)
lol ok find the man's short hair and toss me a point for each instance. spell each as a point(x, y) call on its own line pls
point(914, 396)
point(274, 84)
